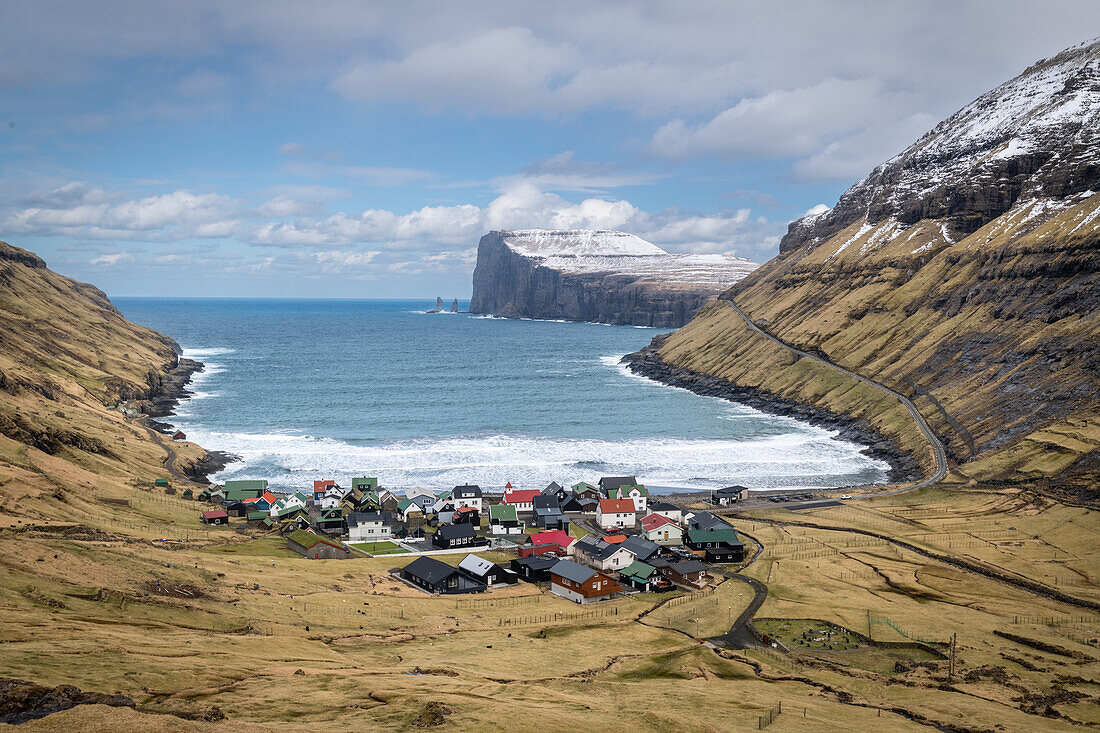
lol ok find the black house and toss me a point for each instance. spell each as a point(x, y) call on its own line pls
point(434, 576)
point(535, 568)
point(449, 536)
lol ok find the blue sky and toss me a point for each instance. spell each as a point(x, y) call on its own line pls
point(352, 149)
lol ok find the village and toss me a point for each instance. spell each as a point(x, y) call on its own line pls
point(589, 543)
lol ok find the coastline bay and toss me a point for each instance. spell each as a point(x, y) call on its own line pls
point(303, 389)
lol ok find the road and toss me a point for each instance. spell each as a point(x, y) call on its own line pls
point(937, 445)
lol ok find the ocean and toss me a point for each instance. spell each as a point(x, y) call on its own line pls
point(312, 389)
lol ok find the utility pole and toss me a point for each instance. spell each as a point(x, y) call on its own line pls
point(951, 663)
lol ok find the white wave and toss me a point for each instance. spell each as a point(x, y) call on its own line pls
point(806, 458)
point(199, 354)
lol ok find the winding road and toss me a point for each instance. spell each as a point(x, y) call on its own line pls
point(937, 445)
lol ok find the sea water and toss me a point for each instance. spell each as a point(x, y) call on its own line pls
point(312, 389)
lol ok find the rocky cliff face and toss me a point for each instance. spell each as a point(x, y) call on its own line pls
point(965, 273)
point(599, 276)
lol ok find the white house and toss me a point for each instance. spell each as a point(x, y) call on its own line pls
point(297, 500)
point(469, 496)
point(615, 513)
point(522, 499)
point(662, 530)
point(601, 555)
point(369, 527)
point(638, 494)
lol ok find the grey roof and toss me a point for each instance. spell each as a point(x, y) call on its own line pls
point(572, 571)
point(706, 520)
point(640, 547)
point(538, 562)
point(356, 518)
point(597, 549)
point(429, 569)
point(552, 489)
point(730, 491)
point(664, 506)
point(546, 502)
point(468, 491)
point(685, 567)
point(613, 482)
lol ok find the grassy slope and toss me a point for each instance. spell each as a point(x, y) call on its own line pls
point(985, 328)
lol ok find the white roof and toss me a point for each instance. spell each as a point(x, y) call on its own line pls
point(475, 565)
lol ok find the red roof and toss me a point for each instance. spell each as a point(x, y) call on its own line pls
point(520, 496)
point(653, 521)
point(215, 514)
point(253, 500)
point(269, 497)
point(614, 539)
point(616, 506)
point(322, 485)
point(557, 537)
point(464, 509)
point(508, 485)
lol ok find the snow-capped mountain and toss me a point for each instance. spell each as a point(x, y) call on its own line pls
point(1036, 136)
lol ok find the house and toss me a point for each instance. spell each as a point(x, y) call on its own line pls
point(719, 544)
point(570, 503)
point(640, 576)
point(556, 539)
point(179, 436)
point(236, 508)
point(706, 520)
point(615, 513)
point(588, 506)
point(444, 503)
point(187, 494)
point(160, 483)
point(297, 500)
point(521, 499)
point(690, 573)
point(580, 584)
point(534, 568)
point(600, 554)
point(316, 547)
point(420, 497)
point(486, 572)
point(638, 494)
point(670, 511)
point(608, 484)
point(258, 485)
point(728, 495)
point(370, 526)
point(239, 494)
point(293, 519)
point(556, 490)
point(640, 548)
point(467, 495)
point(450, 536)
point(320, 488)
point(433, 576)
point(256, 517)
point(331, 521)
point(407, 510)
point(504, 520)
point(388, 501)
point(662, 530)
point(466, 514)
point(215, 516)
point(584, 490)
point(364, 484)
point(548, 513)
point(262, 502)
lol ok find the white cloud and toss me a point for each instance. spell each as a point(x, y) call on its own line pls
point(112, 259)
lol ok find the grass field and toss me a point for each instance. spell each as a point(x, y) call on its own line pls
point(376, 548)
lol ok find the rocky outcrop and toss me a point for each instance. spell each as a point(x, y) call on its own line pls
point(598, 276)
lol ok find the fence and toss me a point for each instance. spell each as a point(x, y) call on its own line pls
point(895, 627)
point(496, 602)
point(766, 719)
point(1056, 620)
point(548, 618)
point(689, 598)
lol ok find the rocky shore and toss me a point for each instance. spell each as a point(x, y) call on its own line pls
point(648, 363)
point(165, 394)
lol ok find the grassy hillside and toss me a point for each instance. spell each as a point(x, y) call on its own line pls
point(995, 337)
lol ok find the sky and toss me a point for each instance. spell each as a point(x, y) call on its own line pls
point(356, 149)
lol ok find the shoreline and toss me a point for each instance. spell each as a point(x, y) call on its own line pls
point(647, 363)
point(164, 397)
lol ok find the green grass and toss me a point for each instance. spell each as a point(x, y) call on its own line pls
point(376, 548)
point(267, 547)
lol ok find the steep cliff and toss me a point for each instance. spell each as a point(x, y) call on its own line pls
point(600, 276)
point(964, 273)
point(67, 356)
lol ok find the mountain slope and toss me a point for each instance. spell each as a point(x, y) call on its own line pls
point(69, 360)
point(964, 273)
point(595, 275)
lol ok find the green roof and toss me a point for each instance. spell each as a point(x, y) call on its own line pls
point(714, 535)
point(582, 486)
point(252, 483)
point(308, 539)
point(161, 482)
point(290, 512)
point(638, 570)
point(503, 512)
point(366, 483)
point(405, 504)
point(621, 492)
point(253, 516)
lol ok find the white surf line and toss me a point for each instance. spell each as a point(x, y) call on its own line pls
point(934, 441)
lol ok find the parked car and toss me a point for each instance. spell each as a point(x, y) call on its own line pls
point(845, 496)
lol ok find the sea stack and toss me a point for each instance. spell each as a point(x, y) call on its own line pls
point(596, 275)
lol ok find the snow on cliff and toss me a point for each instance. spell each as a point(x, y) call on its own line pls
point(577, 251)
point(1035, 136)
